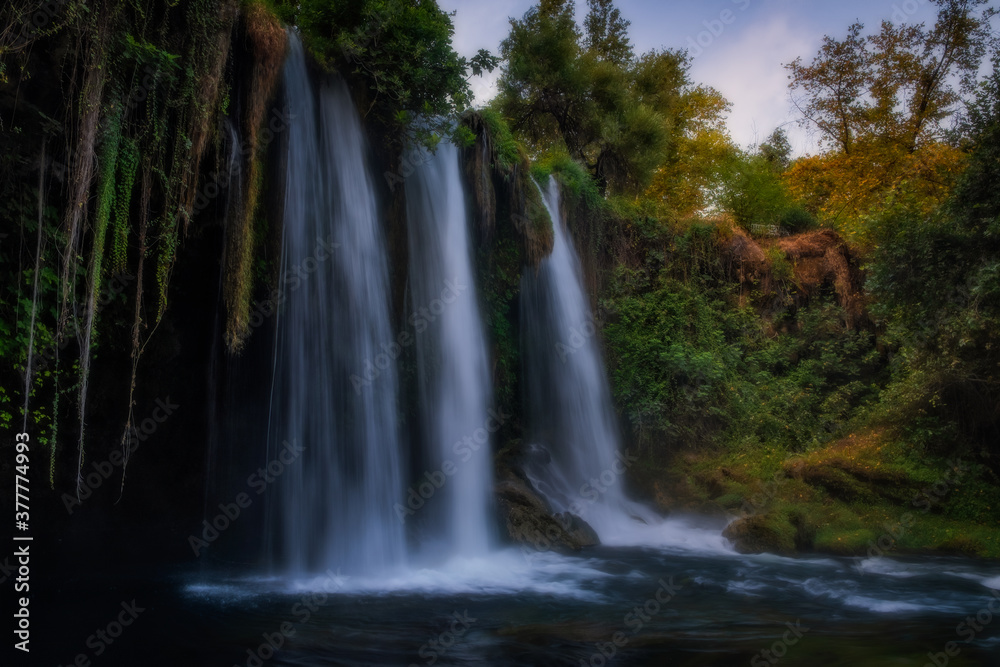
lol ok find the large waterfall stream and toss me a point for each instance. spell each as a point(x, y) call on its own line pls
point(335, 507)
point(345, 506)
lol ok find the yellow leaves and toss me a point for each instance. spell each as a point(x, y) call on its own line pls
point(700, 146)
point(845, 189)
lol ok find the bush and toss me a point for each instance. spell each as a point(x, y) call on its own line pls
point(797, 219)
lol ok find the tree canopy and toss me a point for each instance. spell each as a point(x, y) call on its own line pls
point(589, 95)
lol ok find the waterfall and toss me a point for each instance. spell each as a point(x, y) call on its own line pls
point(335, 498)
point(453, 376)
point(574, 458)
point(234, 171)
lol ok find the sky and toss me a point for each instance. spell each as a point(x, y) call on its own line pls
point(738, 46)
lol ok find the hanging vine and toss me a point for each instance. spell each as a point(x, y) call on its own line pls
point(141, 89)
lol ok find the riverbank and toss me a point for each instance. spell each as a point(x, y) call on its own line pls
point(867, 494)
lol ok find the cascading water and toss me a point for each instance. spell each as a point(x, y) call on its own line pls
point(234, 193)
point(336, 497)
point(453, 375)
point(574, 460)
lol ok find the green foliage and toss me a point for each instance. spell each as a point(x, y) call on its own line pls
point(505, 146)
point(502, 274)
point(752, 191)
point(15, 296)
point(607, 32)
point(777, 150)
point(575, 181)
point(128, 164)
point(936, 281)
point(692, 366)
point(539, 221)
point(593, 98)
point(106, 187)
point(398, 51)
point(541, 81)
point(781, 268)
point(796, 219)
point(16, 305)
point(463, 137)
point(672, 358)
point(146, 53)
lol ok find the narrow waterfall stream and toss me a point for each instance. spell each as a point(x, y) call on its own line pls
point(453, 377)
point(575, 456)
point(336, 500)
point(574, 437)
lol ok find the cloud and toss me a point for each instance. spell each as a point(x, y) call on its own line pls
point(745, 65)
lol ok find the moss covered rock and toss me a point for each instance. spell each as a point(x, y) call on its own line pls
point(773, 532)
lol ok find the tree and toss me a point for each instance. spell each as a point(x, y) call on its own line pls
point(752, 191)
point(699, 150)
point(936, 281)
point(397, 54)
point(833, 86)
point(895, 86)
point(880, 104)
point(777, 150)
point(541, 89)
point(589, 96)
point(607, 32)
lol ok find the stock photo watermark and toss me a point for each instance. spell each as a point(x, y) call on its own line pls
point(577, 339)
point(114, 286)
point(779, 649)
point(904, 11)
point(714, 28)
point(103, 638)
point(408, 165)
point(103, 470)
point(635, 620)
point(291, 280)
point(970, 628)
point(303, 609)
point(591, 492)
point(420, 320)
point(925, 500)
point(439, 645)
point(758, 502)
point(230, 512)
point(216, 182)
point(33, 23)
point(464, 449)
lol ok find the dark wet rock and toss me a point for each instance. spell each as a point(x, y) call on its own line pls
point(528, 521)
point(578, 529)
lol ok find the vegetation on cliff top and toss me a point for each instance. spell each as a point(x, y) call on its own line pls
point(861, 344)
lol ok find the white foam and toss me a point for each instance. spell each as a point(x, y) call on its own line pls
point(882, 606)
point(500, 573)
point(890, 568)
point(670, 534)
point(745, 587)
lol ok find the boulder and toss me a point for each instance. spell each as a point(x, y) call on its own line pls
point(578, 529)
point(528, 521)
point(772, 532)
